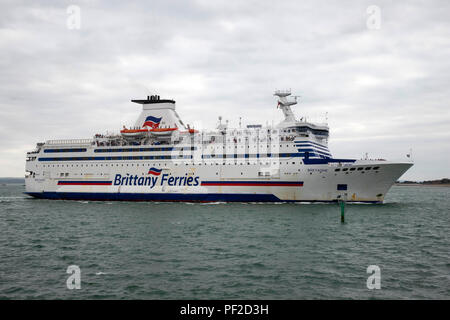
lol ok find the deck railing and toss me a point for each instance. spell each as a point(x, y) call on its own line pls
point(69, 141)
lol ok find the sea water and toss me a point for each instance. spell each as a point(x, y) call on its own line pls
point(127, 250)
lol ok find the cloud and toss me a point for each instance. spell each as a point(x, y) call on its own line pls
point(385, 90)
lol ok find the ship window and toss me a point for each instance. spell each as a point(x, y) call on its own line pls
point(337, 170)
point(376, 168)
point(368, 168)
point(352, 169)
point(345, 169)
point(360, 168)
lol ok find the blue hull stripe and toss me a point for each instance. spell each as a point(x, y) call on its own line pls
point(314, 150)
point(184, 197)
point(303, 145)
point(311, 142)
point(187, 197)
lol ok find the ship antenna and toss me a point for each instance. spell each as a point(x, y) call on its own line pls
point(285, 104)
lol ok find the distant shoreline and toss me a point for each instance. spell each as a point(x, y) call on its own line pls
point(423, 184)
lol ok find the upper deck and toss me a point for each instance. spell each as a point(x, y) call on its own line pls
point(160, 128)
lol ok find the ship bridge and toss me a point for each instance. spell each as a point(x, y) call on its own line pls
point(291, 124)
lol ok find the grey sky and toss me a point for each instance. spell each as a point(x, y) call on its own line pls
point(385, 90)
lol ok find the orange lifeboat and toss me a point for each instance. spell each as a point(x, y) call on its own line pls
point(133, 133)
point(162, 131)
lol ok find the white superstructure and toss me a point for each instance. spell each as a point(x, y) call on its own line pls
point(163, 159)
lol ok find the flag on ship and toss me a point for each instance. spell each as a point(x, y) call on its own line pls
point(152, 122)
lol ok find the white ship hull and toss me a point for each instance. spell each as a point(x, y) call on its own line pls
point(298, 183)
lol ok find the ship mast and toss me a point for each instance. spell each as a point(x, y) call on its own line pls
point(285, 104)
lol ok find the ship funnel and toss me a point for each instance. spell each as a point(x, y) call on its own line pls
point(158, 113)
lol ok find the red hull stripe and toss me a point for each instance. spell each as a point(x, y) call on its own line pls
point(254, 183)
point(84, 183)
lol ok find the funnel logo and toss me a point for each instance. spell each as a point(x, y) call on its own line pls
point(154, 171)
point(152, 122)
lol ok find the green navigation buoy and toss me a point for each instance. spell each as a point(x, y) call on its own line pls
point(342, 204)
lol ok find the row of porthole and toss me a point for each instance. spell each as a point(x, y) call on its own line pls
point(159, 164)
point(67, 174)
point(268, 146)
point(357, 169)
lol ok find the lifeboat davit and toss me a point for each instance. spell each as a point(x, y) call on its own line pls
point(162, 131)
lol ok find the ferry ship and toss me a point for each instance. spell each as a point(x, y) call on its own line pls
point(163, 159)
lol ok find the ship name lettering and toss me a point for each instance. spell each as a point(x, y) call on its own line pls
point(166, 179)
point(179, 181)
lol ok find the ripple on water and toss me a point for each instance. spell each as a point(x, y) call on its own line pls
point(225, 251)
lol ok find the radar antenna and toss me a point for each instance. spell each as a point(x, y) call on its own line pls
point(285, 104)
